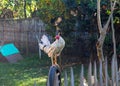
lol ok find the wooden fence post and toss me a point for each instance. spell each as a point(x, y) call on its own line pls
point(100, 73)
point(106, 73)
point(113, 72)
point(65, 79)
point(116, 71)
point(95, 74)
point(82, 76)
point(72, 77)
point(93, 80)
point(35, 83)
point(90, 74)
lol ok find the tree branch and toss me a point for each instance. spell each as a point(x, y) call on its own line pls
point(98, 16)
point(113, 34)
point(108, 21)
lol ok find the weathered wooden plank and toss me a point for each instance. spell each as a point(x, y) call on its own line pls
point(72, 77)
point(94, 80)
point(100, 74)
point(65, 79)
point(116, 71)
point(82, 76)
point(95, 74)
point(113, 72)
point(106, 73)
point(90, 74)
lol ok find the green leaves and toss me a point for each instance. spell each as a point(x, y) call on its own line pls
point(0, 12)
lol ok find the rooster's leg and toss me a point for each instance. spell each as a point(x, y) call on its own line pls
point(54, 60)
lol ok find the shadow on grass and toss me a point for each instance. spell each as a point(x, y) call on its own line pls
point(32, 70)
point(25, 73)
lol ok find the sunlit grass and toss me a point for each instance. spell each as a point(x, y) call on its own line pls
point(30, 71)
point(32, 81)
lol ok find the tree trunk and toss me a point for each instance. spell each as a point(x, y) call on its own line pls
point(102, 31)
point(99, 45)
point(113, 35)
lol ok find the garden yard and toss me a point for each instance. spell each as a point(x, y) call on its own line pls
point(25, 73)
point(30, 72)
point(90, 29)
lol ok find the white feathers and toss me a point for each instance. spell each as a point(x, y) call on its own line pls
point(53, 49)
point(45, 40)
point(56, 47)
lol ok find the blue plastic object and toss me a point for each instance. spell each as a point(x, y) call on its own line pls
point(8, 49)
point(54, 70)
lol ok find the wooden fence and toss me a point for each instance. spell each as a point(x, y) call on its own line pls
point(95, 77)
point(22, 33)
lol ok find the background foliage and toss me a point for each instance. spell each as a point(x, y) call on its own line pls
point(73, 27)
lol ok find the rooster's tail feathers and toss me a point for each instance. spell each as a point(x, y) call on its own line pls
point(41, 46)
point(45, 40)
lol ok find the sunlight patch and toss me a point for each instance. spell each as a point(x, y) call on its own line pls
point(32, 81)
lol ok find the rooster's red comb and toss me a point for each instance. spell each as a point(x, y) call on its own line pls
point(57, 37)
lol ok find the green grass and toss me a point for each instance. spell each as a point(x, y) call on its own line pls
point(31, 70)
point(25, 73)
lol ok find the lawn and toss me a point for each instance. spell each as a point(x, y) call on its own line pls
point(32, 70)
point(25, 73)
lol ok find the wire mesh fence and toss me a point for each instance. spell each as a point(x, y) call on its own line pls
point(22, 33)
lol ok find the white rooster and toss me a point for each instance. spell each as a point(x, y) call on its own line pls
point(53, 50)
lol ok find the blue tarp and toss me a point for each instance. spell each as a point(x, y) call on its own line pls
point(8, 49)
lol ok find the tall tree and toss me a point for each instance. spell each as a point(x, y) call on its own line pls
point(113, 34)
point(102, 34)
point(102, 31)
